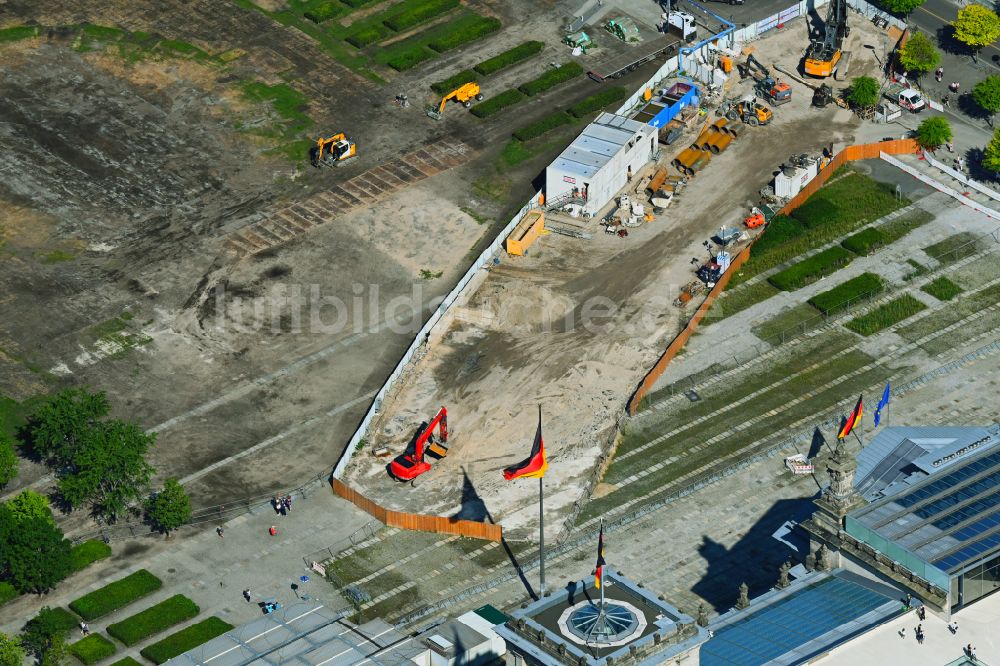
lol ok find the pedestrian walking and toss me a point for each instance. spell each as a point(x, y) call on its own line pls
point(922, 613)
point(953, 627)
point(920, 634)
point(288, 503)
point(84, 629)
point(220, 532)
point(273, 531)
point(954, 86)
point(946, 101)
point(908, 600)
point(247, 595)
point(276, 503)
point(939, 74)
point(950, 146)
point(902, 632)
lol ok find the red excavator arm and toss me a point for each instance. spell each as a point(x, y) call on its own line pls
point(409, 466)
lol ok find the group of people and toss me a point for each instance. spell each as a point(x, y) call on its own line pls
point(970, 651)
point(282, 505)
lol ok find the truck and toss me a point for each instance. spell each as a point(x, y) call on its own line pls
point(905, 97)
point(615, 68)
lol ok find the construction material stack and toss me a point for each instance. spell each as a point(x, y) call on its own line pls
point(712, 140)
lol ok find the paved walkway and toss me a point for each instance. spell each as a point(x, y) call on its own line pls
point(214, 571)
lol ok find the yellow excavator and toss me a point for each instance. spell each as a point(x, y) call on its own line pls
point(465, 94)
point(332, 151)
point(825, 56)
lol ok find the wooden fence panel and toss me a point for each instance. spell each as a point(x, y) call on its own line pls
point(418, 522)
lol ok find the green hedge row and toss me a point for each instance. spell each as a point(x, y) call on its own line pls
point(323, 11)
point(86, 553)
point(809, 270)
point(942, 289)
point(7, 592)
point(843, 296)
point(127, 661)
point(509, 58)
point(154, 619)
point(886, 315)
point(470, 32)
point(543, 125)
point(418, 13)
point(865, 242)
point(454, 81)
point(551, 78)
point(116, 595)
point(185, 639)
point(18, 32)
point(368, 35)
point(357, 3)
point(409, 58)
point(598, 101)
point(498, 103)
point(92, 649)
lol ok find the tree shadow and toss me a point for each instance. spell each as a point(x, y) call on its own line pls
point(975, 168)
point(754, 559)
point(968, 106)
point(949, 44)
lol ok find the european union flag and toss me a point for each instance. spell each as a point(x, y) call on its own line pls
point(884, 402)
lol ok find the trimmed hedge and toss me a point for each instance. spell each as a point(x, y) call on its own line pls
point(185, 639)
point(92, 649)
point(368, 35)
point(809, 270)
point(886, 315)
point(509, 58)
point(417, 14)
point(551, 78)
point(86, 553)
point(409, 58)
point(866, 242)
point(454, 81)
point(116, 595)
point(18, 32)
point(324, 11)
point(497, 104)
point(543, 125)
point(357, 3)
point(598, 101)
point(7, 592)
point(154, 619)
point(127, 661)
point(942, 289)
point(484, 25)
point(843, 296)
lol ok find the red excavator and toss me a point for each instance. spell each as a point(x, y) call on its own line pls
point(410, 465)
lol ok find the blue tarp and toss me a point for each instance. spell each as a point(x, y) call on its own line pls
point(665, 116)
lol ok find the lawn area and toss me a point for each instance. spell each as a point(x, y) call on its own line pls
point(185, 639)
point(509, 58)
point(116, 595)
point(954, 248)
point(14, 414)
point(789, 323)
point(843, 296)
point(92, 649)
point(837, 209)
point(810, 270)
point(154, 619)
point(368, 560)
point(886, 315)
point(954, 312)
point(732, 301)
point(127, 661)
point(427, 44)
point(86, 553)
point(942, 289)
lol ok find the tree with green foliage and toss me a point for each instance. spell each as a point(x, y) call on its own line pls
point(919, 55)
point(27, 505)
point(34, 554)
point(864, 92)
point(108, 469)
point(8, 459)
point(56, 653)
point(60, 427)
point(987, 94)
point(901, 7)
point(39, 632)
point(11, 651)
point(991, 154)
point(933, 132)
point(976, 26)
point(170, 508)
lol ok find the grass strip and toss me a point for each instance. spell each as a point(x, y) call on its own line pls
point(942, 289)
point(494, 105)
point(454, 81)
point(469, 32)
point(324, 10)
point(789, 324)
point(367, 35)
point(812, 269)
point(18, 32)
point(969, 304)
point(409, 58)
point(542, 125)
point(287, 102)
point(509, 58)
point(92, 649)
point(865, 242)
point(551, 78)
point(841, 297)
point(185, 639)
point(116, 595)
point(954, 248)
point(154, 619)
point(886, 315)
point(413, 14)
point(732, 301)
point(86, 553)
point(597, 102)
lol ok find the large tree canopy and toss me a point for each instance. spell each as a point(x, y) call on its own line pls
point(170, 508)
point(864, 92)
point(976, 26)
point(918, 55)
point(34, 555)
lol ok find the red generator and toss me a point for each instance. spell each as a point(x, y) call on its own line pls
point(409, 466)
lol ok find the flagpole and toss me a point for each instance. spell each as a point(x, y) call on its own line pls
point(602, 569)
point(541, 537)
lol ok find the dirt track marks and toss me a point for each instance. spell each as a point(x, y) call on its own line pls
point(363, 190)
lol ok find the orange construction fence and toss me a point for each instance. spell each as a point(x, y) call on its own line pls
point(416, 521)
point(864, 151)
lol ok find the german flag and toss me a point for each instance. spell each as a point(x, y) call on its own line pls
point(600, 559)
point(853, 419)
point(534, 466)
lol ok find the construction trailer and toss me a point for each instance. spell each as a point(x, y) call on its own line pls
point(591, 170)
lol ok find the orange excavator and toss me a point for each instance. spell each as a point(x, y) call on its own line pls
point(410, 465)
point(464, 95)
point(333, 150)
